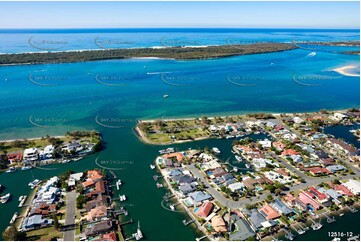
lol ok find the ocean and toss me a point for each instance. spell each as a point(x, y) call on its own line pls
point(109, 96)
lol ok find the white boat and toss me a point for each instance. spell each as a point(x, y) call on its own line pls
point(238, 158)
point(216, 150)
point(312, 54)
point(11, 170)
point(5, 198)
point(21, 198)
point(341, 214)
point(138, 235)
point(235, 169)
point(65, 161)
point(248, 166)
point(77, 159)
point(229, 136)
point(152, 167)
point(336, 239)
point(24, 168)
point(172, 207)
point(34, 183)
point(316, 226)
point(165, 95)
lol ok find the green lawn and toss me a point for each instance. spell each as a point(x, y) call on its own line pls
point(44, 234)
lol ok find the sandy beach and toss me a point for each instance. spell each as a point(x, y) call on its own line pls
point(345, 70)
point(11, 140)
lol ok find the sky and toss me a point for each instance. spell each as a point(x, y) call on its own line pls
point(179, 14)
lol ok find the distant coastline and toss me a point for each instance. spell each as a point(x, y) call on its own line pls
point(180, 52)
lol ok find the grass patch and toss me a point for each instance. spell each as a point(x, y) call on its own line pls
point(44, 234)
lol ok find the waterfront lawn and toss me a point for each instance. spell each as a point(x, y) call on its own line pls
point(44, 234)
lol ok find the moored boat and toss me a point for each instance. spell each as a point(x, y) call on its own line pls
point(5, 198)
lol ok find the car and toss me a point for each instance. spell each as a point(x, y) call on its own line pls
point(82, 239)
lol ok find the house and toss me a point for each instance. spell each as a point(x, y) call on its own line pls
point(218, 224)
point(289, 152)
point(47, 153)
point(340, 145)
point(280, 207)
point(321, 197)
point(98, 189)
point(316, 171)
point(335, 168)
point(353, 186)
point(186, 188)
point(332, 194)
point(279, 146)
point(268, 212)
point(92, 177)
point(98, 228)
point(242, 230)
point(341, 189)
point(97, 201)
point(183, 179)
point(199, 196)
point(289, 199)
point(97, 213)
point(205, 209)
point(339, 117)
point(176, 156)
point(219, 172)
point(266, 143)
point(256, 219)
point(15, 157)
point(108, 237)
point(249, 183)
point(237, 186)
point(307, 199)
point(31, 154)
point(35, 221)
point(298, 120)
point(42, 209)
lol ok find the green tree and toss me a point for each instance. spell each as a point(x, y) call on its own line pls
point(12, 234)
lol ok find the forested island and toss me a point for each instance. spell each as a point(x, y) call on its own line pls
point(182, 53)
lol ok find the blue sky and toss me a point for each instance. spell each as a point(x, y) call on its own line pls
point(179, 14)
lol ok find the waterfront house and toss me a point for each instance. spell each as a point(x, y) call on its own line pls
point(205, 209)
point(353, 186)
point(338, 117)
point(35, 222)
point(340, 145)
point(280, 207)
point(242, 229)
point(42, 209)
point(341, 189)
point(321, 197)
point(98, 228)
point(218, 172)
point(335, 196)
point(177, 156)
point(97, 213)
point(223, 178)
point(218, 224)
point(266, 143)
point(307, 199)
point(15, 157)
point(112, 236)
point(199, 196)
point(268, 212)
point(31, 154)
point(97, 201)
point(183, 179)
point(186, 189)
point(98, 189)
point(92, 177)
point(47, 153)
point(249, 182)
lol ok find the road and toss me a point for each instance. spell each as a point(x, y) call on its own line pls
point(218, 196)
point(70, 215)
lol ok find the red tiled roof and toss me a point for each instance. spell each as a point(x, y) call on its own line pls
point(289, 152)
point(177, 155)
point(307, 199)
point(270, 212)
point(205, 209)
point(109, 237)
point(321, 196)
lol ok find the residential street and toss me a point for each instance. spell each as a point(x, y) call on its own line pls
point(70, 215)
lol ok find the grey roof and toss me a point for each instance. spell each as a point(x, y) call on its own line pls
point(199, 196)
point(183, 179)
point(97, 228)
point(35, 220)
point(332, 193)
point(244, 231)
point(186, 188)
point(227, 176)
point(256, 218)
point(281, 207)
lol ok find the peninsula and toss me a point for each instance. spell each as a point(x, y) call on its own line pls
point(182, 53)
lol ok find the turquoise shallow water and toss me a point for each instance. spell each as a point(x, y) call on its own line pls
point(38, 100)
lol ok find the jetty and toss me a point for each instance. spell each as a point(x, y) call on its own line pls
point(288, 235)
point(14, 217)
point(185, 222)
point(113, 174)
point(204, 236)
point(352, 209)
point(299, 230)
point(354, 238)
point(315, 225)
point(22, 201)
point(329, 219)
point(118, 184)
point(126, 222)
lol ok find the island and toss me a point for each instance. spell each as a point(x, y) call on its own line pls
point(182, 53)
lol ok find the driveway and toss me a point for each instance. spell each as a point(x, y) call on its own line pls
point(69, 234)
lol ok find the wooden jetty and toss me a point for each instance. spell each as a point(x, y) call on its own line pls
point(126, 222)
point(113, 174)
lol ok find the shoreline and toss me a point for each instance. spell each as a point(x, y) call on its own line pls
point(142, 137)
point(36, 138)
